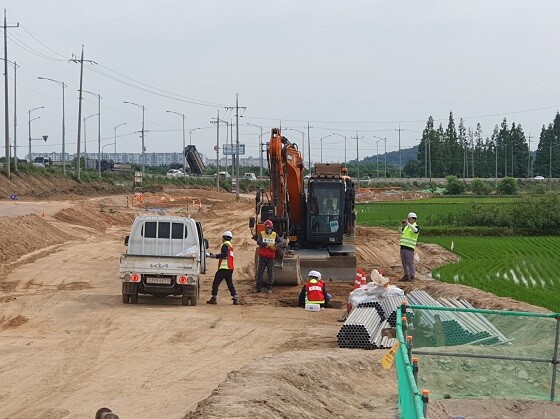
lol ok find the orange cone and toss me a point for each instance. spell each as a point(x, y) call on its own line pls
point(363, 280)
point(358, 280)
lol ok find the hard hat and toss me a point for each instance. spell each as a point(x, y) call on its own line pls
point(315, 274)
point(412, 215)
point(268, 224)
point(227, 234)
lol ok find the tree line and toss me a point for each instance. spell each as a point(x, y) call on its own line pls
point(465, 153)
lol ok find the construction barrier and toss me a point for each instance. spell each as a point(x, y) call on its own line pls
point(459, 352)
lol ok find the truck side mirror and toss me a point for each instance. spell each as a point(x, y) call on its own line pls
point(126, 240)
point(206, 246)
point(252, 222)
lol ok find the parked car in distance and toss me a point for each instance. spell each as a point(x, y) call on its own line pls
point(538, 178)
point(365, 179)
point(250, 176)
point(175, 173)
point(223, 175)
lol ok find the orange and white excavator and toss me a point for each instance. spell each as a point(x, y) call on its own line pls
point(316, 222)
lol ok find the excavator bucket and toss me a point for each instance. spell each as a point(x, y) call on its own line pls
point(332, 265)
point(287, 269)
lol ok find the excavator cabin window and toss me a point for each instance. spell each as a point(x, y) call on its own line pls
point(324, 208)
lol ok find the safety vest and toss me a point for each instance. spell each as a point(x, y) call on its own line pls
point(409, 237)
point(227, 263)
point(264, 251)
point(332, 204)
point(315, 292)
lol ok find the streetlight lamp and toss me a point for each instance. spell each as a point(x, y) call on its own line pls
point(182, 115)
point(260, 148)
point(143, 157)
point(29, 122)
point(61, 84)
point(103, 148)
point(120, 125)
point(98, 129)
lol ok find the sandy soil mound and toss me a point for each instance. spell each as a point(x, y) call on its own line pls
point(23, 235)
point(305, 384)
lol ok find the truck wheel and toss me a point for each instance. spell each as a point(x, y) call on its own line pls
point(134, 298)
point(187, 299)
point(126, 298)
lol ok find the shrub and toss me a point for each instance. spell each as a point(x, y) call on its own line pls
point(479, 187)
point(454, 186)
point(508, 186)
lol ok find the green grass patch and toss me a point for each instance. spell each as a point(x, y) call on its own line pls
point(523, 268)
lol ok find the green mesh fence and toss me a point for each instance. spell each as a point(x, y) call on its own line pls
point(471, 353)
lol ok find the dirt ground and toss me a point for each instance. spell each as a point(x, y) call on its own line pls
point(68, 345)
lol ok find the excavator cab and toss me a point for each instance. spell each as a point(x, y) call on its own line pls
point(325, 218)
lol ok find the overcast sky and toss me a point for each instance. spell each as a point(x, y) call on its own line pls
point(344, 66)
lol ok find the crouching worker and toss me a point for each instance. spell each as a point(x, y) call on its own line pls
point(314, 291)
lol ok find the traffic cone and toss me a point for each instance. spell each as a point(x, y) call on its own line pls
point(358, 280)
point(363, 280)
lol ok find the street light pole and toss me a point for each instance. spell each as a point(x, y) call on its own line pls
point(120, 125)
point(143, 156)
point(85, 138)
point(260, 148)
point(182, 115)
point(385, 170)
point(98, 130)
point(343, 136)
point(29, 122)
point(103, 148)
point(63, 85)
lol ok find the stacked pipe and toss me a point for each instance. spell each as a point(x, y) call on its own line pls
point(390, 305)
point(377, 306)
point(359, 329)
point(455, 328)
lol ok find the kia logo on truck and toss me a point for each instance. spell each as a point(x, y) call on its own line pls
point(159, 265)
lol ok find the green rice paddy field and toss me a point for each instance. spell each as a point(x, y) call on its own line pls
point(523, 268)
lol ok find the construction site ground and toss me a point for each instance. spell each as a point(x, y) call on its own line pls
point(68, 345)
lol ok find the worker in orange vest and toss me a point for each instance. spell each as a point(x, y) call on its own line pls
point(314, 291)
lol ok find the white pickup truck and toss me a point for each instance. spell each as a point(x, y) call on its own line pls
point(165, 256)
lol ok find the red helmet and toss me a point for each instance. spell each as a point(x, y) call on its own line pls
point(268, 224)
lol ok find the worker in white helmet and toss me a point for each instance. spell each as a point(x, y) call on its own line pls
point(314, 291)
point(409, 235)
point(225, 269)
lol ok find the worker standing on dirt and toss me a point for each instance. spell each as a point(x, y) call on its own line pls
point(225, 269)
point(409, 236)
point(314, 291)
point(267, 241)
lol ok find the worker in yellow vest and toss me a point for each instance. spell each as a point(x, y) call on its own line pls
point(409, 235)
point(225, 269)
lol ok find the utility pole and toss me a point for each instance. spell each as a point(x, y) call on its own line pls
point(6, 113)
point(81, 61)
point(400, 152)
point(237, 142)
point(15, 112)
